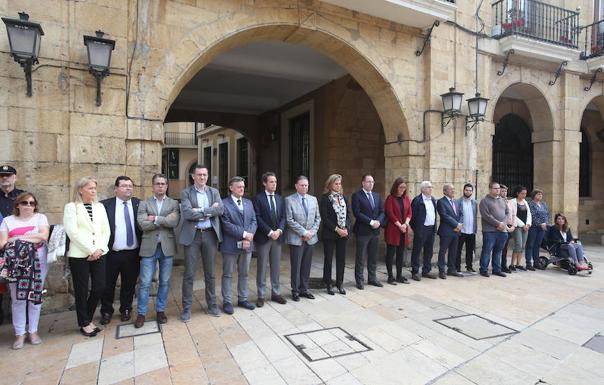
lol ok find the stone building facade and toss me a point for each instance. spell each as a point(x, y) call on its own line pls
point(59, 134)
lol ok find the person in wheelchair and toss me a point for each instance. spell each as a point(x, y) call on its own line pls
point(564, 245)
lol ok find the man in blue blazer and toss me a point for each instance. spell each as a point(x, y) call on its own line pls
point(451, 223)
point(468, 206)
point(270, 215)
point(238, 223)
point(423, 223)
point(368, 211)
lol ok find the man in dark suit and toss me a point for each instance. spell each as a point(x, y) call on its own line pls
point(368, 211)
point(467, 236)
point(451, 223)
point(238, 224)
point(123, 256)
point(423, 223)
point(270, 215)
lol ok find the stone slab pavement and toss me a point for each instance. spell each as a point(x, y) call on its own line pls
point(528, 328)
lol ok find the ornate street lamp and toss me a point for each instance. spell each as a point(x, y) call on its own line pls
point(24, 40)
point(99, 58)
point(477, 108)
point(451, 106)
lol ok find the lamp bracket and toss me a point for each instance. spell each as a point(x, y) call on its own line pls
point(506, 61)
point(472, 122)
point(558, 73)
point(427, 39)
point(593, 79)
point(99, 75)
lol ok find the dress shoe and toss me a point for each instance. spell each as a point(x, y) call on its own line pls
point(279, 299)
point(401, 279)
point(97, 330)
point(246, 305)
point(330, 290)
point(213, 311)
point(529, 267)
point(35, 339)
point(484, 274)
point(375, 283)
point(455, 273)
point(442, 275)
point(125, 316)
point(1, 314)
point(341, 290)
point(161, 317)
point(295, 297)
point(260, 302)
point(416, 277)
point(500, 274)
point(186, 315)
point(19, 342)
point(429, 275)
point(521, 268)
point(105, 318)
point(470, 270)
point(227, 307)
point(391, 281)
point(505, 269)
point(88, 334)
point(360, 286)
point(307, 295)
point(140, 321)
point(512, 268)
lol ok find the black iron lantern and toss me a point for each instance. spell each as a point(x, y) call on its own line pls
point(24, 38)
point(99, 58)
point(452, 102)
point(477, 107)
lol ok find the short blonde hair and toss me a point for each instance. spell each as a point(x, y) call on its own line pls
point(76, 197)
point(333, 178)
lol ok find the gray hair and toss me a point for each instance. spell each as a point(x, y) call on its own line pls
point(425, 183)
point(77, 198)
point(446, 187)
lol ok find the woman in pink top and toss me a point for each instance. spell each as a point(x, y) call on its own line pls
point(26, 224)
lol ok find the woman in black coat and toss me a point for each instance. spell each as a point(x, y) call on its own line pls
point(335, 217)
point(561, 235)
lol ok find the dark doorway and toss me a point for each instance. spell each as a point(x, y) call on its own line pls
point(513, 153)
point(299, 147)
point(584, 166)
point(223, 168)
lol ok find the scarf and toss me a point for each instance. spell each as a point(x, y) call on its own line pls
point(22, 266)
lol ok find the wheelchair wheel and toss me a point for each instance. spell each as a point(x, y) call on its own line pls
point(572, 269)
point(543, 262)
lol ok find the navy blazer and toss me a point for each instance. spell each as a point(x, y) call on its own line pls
point(263, 217)
point(233, 223)
point(448, 219)
point(364, 213)
point(418, 208)
point(109, 204)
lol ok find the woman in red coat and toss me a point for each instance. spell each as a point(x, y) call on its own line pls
point(398, 212)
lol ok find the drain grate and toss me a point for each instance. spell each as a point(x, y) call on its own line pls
point(596, 343)
point(475, 326)
point(322, 344)
point(128, 330)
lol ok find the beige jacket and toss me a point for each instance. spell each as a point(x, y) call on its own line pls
point(85, 235)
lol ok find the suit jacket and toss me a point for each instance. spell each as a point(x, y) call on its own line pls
point(85, 235)
point(298, 223)
point(330, 218)
point(419, 214)
point(474, 210)
point(190, 217)
point(162, 230)
point(364, 213)
point(392, 209)
point(110, 208)
point(264, 219)
point(448, 218)
point(234, 223)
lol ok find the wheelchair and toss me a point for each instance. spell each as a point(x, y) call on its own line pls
point(562, 262)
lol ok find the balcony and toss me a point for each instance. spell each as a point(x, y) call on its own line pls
point(593, 44)
point(180, 139)
point(415, 13)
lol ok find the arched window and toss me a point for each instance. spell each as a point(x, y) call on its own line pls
point(513, 153)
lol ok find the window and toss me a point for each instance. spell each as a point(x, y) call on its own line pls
point(513, 153)
point(299, 147)
point(207, 161)
point(223, 168)
point(242, 159)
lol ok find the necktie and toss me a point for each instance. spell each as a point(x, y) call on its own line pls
point(304, 205)
point(371, 202)
point(453, 204)
point(273, 209)
point(239, 204)
point(129, 232)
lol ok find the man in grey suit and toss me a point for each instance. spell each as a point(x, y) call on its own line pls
point(467, 235)
point(157, 217)
point(238, 229)
point(303, 220)
point(201, 208)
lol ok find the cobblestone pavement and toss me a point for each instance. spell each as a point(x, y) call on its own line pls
point(529, 328)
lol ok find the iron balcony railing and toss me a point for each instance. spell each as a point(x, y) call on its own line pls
point(536, 20)
point(593, 36)
point(180, 139)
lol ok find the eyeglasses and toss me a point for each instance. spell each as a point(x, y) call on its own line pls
point(27, 203)
point(160, 184)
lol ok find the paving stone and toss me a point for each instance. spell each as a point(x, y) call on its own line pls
point(84, 353)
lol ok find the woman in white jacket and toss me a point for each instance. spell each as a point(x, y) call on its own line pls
point(523, 223)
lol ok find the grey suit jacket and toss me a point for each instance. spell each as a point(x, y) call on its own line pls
point(191, 213)
point(163, 230)
point(297, 221)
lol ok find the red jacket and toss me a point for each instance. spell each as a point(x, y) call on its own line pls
point(392, 208)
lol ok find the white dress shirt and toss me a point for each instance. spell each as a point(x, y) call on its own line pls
point(468, 216)
point(120, 241)
point(430, 214)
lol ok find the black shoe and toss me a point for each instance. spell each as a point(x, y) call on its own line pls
point(416, 277)
point(360, 286)
point(512, 268)
point(246, 305)
point(88, 334)
point(484, 274)
point(529, 267)
point(307, 295)
point(401, 279)
point(505, 269)
point(330, 290)
point(470, 270)
point(500, 274)
point(429, 275)
point(442, 275)
point(105, 318)
point(391, 281)
point(295, 297)
point(455, 273)
point(341, 290)
point(97, 330)
point(125, 316)
point(227, 307)
point(521, 268)
point(375, 283)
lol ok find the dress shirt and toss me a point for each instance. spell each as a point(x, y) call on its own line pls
point(563, 233)
point(159, 203)
point(204, 202)
point(430, 214)
point(468, 216)
point(371, 222)
point(120, 239)
point(268, 198)
point(238, 202)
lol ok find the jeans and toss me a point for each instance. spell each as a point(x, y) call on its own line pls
point(492, 244)
point(147, 271)
point(533, 243)
point(574, 251)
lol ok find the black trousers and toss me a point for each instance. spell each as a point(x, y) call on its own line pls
point(470, 241)
point(339, 246)
point(86, 298)
point(400, 255)
point(423, 239)
point(126, 264)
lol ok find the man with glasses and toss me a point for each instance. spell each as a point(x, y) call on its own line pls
point(493, 210)
point(423, 223)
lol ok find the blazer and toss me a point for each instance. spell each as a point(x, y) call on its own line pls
point(364, 213)
point(234, 223)
point(529, 218)
point(298, 223)
point(263, 217)
point(474, 210)
point(330, 218)
point(392, 234)
point(554, 238)
point(110, 208)
point(85, 235)
point(162, 230)
point(419, 214)
point(189, 218)
point(448, 218)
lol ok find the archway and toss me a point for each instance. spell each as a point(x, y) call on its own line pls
point(513, 153)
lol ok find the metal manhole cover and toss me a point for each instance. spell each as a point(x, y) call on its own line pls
point(476, 327)
point(322, 344)
point(596, 343)
point(128, 330)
